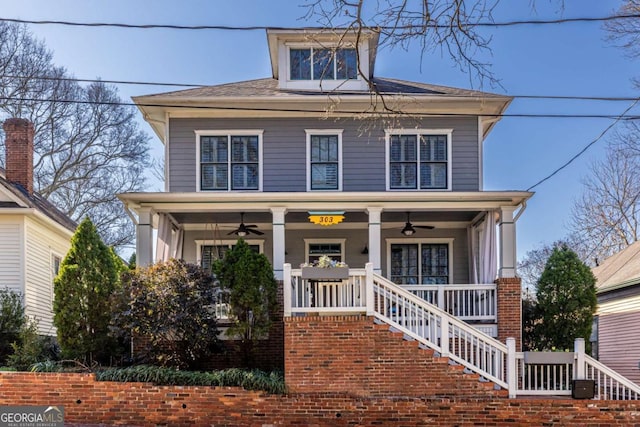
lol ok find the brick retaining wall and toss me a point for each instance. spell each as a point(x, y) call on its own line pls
point(140, 404)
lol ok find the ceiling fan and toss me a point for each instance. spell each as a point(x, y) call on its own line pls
point(243, 229)
point(410, 229)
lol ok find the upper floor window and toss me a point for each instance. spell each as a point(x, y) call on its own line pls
point(230, 161)
point(322, 64)
point(324, 154)
point(419, 160)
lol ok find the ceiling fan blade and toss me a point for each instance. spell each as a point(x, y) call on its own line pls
point(233, 232)
point(426, 227)
point(259, 233)
point(251, 226)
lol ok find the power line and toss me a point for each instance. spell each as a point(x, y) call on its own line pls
point(586, 147)
point(193, 85)
point(314, 28)
point(324, 111)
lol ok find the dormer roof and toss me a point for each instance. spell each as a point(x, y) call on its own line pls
point(334, 37)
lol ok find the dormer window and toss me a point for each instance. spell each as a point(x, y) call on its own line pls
point(323, 64)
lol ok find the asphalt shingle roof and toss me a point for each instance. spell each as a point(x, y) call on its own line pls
point(619, 270)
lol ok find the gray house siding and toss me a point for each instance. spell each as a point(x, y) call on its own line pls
point(284, 151)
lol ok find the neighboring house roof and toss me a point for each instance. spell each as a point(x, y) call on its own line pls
point(269, 87)
point(620, 270)
point(35, 201)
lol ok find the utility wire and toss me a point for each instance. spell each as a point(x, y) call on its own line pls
point(259, 27)
point(193, 85)
point(586, 147)
point(324, 111)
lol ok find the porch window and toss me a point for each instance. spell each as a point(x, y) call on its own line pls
point(418, 160)
point(329, 247)
point(229, 162)
point(210, 253)
point(324, 159)
point(322, 64)
point(420, 263)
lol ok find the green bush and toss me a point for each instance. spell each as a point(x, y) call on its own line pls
point(31, 348)
point(271, 382)
point(12, 321)
point(167, 308)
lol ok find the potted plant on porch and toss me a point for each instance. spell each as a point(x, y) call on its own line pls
point(325, 268)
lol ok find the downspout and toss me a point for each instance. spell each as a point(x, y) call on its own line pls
point(523, 207)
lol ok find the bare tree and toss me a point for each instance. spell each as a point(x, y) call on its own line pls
point(625, 33)
point(88, 146)
point(447, 25)
point(607, 215)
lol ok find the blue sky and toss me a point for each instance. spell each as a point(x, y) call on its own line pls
point(568, 59)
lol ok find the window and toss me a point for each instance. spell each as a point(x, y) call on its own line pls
point(209, 251)
point(324, 154)
point(229, 161)
point(418, 160)
point(420, 263)
point(56, 261)
point(332, 248)
point(322, 64)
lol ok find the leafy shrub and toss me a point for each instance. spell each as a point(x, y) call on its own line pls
point(12, 321)
point(271, 382)
point(248, 276)
point(167, 308)
point(31, 348)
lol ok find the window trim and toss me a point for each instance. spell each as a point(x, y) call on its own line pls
point(342, 242)
point(229, 133)
point(284, 61)
point(228, 242)
point(436, 241)
point(390, 132)
point(314, 132)
point(52, 275)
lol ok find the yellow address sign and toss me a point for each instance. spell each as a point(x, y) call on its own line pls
point(326, 218)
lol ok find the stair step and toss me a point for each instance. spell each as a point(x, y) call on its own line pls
point(378, 321)
point(408, 338)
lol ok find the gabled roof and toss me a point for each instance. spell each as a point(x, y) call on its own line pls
point(34, 201)
point(619, 270)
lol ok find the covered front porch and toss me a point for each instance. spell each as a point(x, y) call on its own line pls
point(453, 238)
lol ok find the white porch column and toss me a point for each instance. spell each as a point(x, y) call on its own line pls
point(507, 227)
point(278, 241)
point(144, 237)
point(375, 253)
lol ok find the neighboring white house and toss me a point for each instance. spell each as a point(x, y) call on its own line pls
point(34, 235)
point(617, 330)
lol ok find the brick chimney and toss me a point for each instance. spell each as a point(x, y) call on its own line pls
point(19, 150)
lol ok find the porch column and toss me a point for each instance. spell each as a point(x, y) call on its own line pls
point(507, 227)
point(144, 237)
point(278, 241)
point(375, 257)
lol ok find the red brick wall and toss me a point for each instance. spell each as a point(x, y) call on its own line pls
point(86, 401)
point(19, 152)
point(510, 310)
point(352, 354)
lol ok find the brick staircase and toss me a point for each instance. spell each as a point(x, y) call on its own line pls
point(355, 355)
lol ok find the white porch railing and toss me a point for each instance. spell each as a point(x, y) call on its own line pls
point(549, 373)
point(466, 302)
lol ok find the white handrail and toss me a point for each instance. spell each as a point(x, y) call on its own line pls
point(438, 330)
point(610, 385)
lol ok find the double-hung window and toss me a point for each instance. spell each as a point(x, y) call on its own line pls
point(420, 263)
point(324, 160)
point(419, 160)
point(229, 161)
point(323, 64)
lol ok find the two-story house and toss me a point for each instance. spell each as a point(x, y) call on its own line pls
point(326, 158)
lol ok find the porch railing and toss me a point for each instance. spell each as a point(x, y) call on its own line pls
point(548, 373)
point(466, 302)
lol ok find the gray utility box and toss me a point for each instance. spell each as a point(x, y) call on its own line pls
point(583, 389)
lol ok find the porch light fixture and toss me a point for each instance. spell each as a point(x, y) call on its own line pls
point(241, 233)
point(408, 230)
